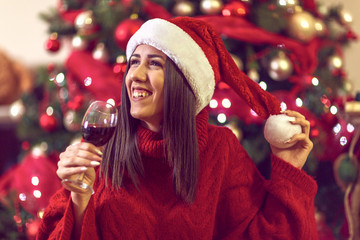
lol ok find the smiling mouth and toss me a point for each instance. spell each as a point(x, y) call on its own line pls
point(137, 94)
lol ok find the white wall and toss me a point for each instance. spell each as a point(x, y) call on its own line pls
point(23, 34)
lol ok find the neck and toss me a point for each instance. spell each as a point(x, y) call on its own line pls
point(154, 127)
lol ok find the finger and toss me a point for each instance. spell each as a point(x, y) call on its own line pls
point(64, 173)
point(294, 114)
point(305, 124)
point(86, 150)
point(301, 138)
point(76, 161)
point(90, 148)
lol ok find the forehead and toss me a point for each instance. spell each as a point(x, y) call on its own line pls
point(147, 49)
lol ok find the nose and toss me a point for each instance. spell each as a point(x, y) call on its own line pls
point(139, 74)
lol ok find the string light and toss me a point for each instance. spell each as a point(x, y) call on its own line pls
point(333, 110)
point(41, 213)
point(221, 118)
point(49, 111)
point(111, 101)
point(60, 79)
point(263, 85)
point(22, 197)
point(87, 81)
point(343, 141)
point(226, 103)
point(17, 109)
point(283, 106)
point(315, 81)
point(252, 112)
point(337, 128)
point(37, 194)
point(213, 103)
point(299, 102)
point(350, 128)
point(35, 181)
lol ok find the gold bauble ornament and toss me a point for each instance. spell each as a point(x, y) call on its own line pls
point(301, 26)
point(253, 75)
point(184, 8)
point(280, 67)
point(320, 27)
point(345, 17)
point(211, 7)
point(335, 62)
point(235, 129)
point(237, 61)
point(85, 21)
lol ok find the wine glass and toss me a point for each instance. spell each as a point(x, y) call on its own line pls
point(97, 127)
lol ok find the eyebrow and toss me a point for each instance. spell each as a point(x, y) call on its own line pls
point(150, 56)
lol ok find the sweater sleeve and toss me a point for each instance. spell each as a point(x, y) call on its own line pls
point(251, 207)
point(58, 219)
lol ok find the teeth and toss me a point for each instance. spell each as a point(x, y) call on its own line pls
point(140, 94)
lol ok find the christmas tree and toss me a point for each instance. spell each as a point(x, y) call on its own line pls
point(292, 48)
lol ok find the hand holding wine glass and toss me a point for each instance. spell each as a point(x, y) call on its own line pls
point(97, 128)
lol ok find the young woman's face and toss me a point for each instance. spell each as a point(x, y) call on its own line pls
point(145, 85)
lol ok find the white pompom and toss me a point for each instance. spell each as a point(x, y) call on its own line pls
point(278, 129)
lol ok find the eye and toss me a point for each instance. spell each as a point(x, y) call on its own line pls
point(156, 63)
point(134, 61)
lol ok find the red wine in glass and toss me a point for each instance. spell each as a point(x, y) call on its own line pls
point(97, 127)
point(97, 135)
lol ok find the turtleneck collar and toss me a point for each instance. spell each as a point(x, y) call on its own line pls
point(151, 144)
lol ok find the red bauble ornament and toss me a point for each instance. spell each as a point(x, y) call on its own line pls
point(48, 123)
point(125, 30)
point(119, 68)
point(50, 67)
point(53, 43)
point(236, 9)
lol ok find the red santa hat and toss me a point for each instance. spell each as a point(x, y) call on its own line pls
point(197, 49)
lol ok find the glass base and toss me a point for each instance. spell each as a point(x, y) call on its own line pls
point(77, 186)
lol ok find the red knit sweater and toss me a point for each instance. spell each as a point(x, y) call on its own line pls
point(233, 200)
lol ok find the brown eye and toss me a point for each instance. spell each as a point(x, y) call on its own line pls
point(134, 61)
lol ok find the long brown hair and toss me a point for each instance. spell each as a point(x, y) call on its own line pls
point(179, 132)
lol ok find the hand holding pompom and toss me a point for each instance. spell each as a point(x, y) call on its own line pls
point(288, 135)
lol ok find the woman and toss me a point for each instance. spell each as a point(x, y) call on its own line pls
point(167, 173)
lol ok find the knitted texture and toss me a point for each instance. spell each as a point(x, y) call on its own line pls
point(233, 201)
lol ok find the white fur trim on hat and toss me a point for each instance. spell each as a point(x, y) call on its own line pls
point(183, 51)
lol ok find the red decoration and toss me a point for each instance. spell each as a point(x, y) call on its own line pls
point(105, 83)
point(48, 123)
point(34, 173)
point(350, 35)
point(53, 43)
point(76, 103)
point(50, 67)
point(119, 68)
point(154, 10)
point(236, 9)
point(125, 30)
point(68, 16)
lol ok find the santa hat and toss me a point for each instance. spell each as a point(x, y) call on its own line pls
point(197, 49)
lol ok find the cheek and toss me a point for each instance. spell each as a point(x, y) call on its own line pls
point(127, 85)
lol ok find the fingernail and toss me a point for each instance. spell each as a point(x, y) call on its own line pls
point(94, 163)
point(287, 141)
point(98, 152)
point(83, 168)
